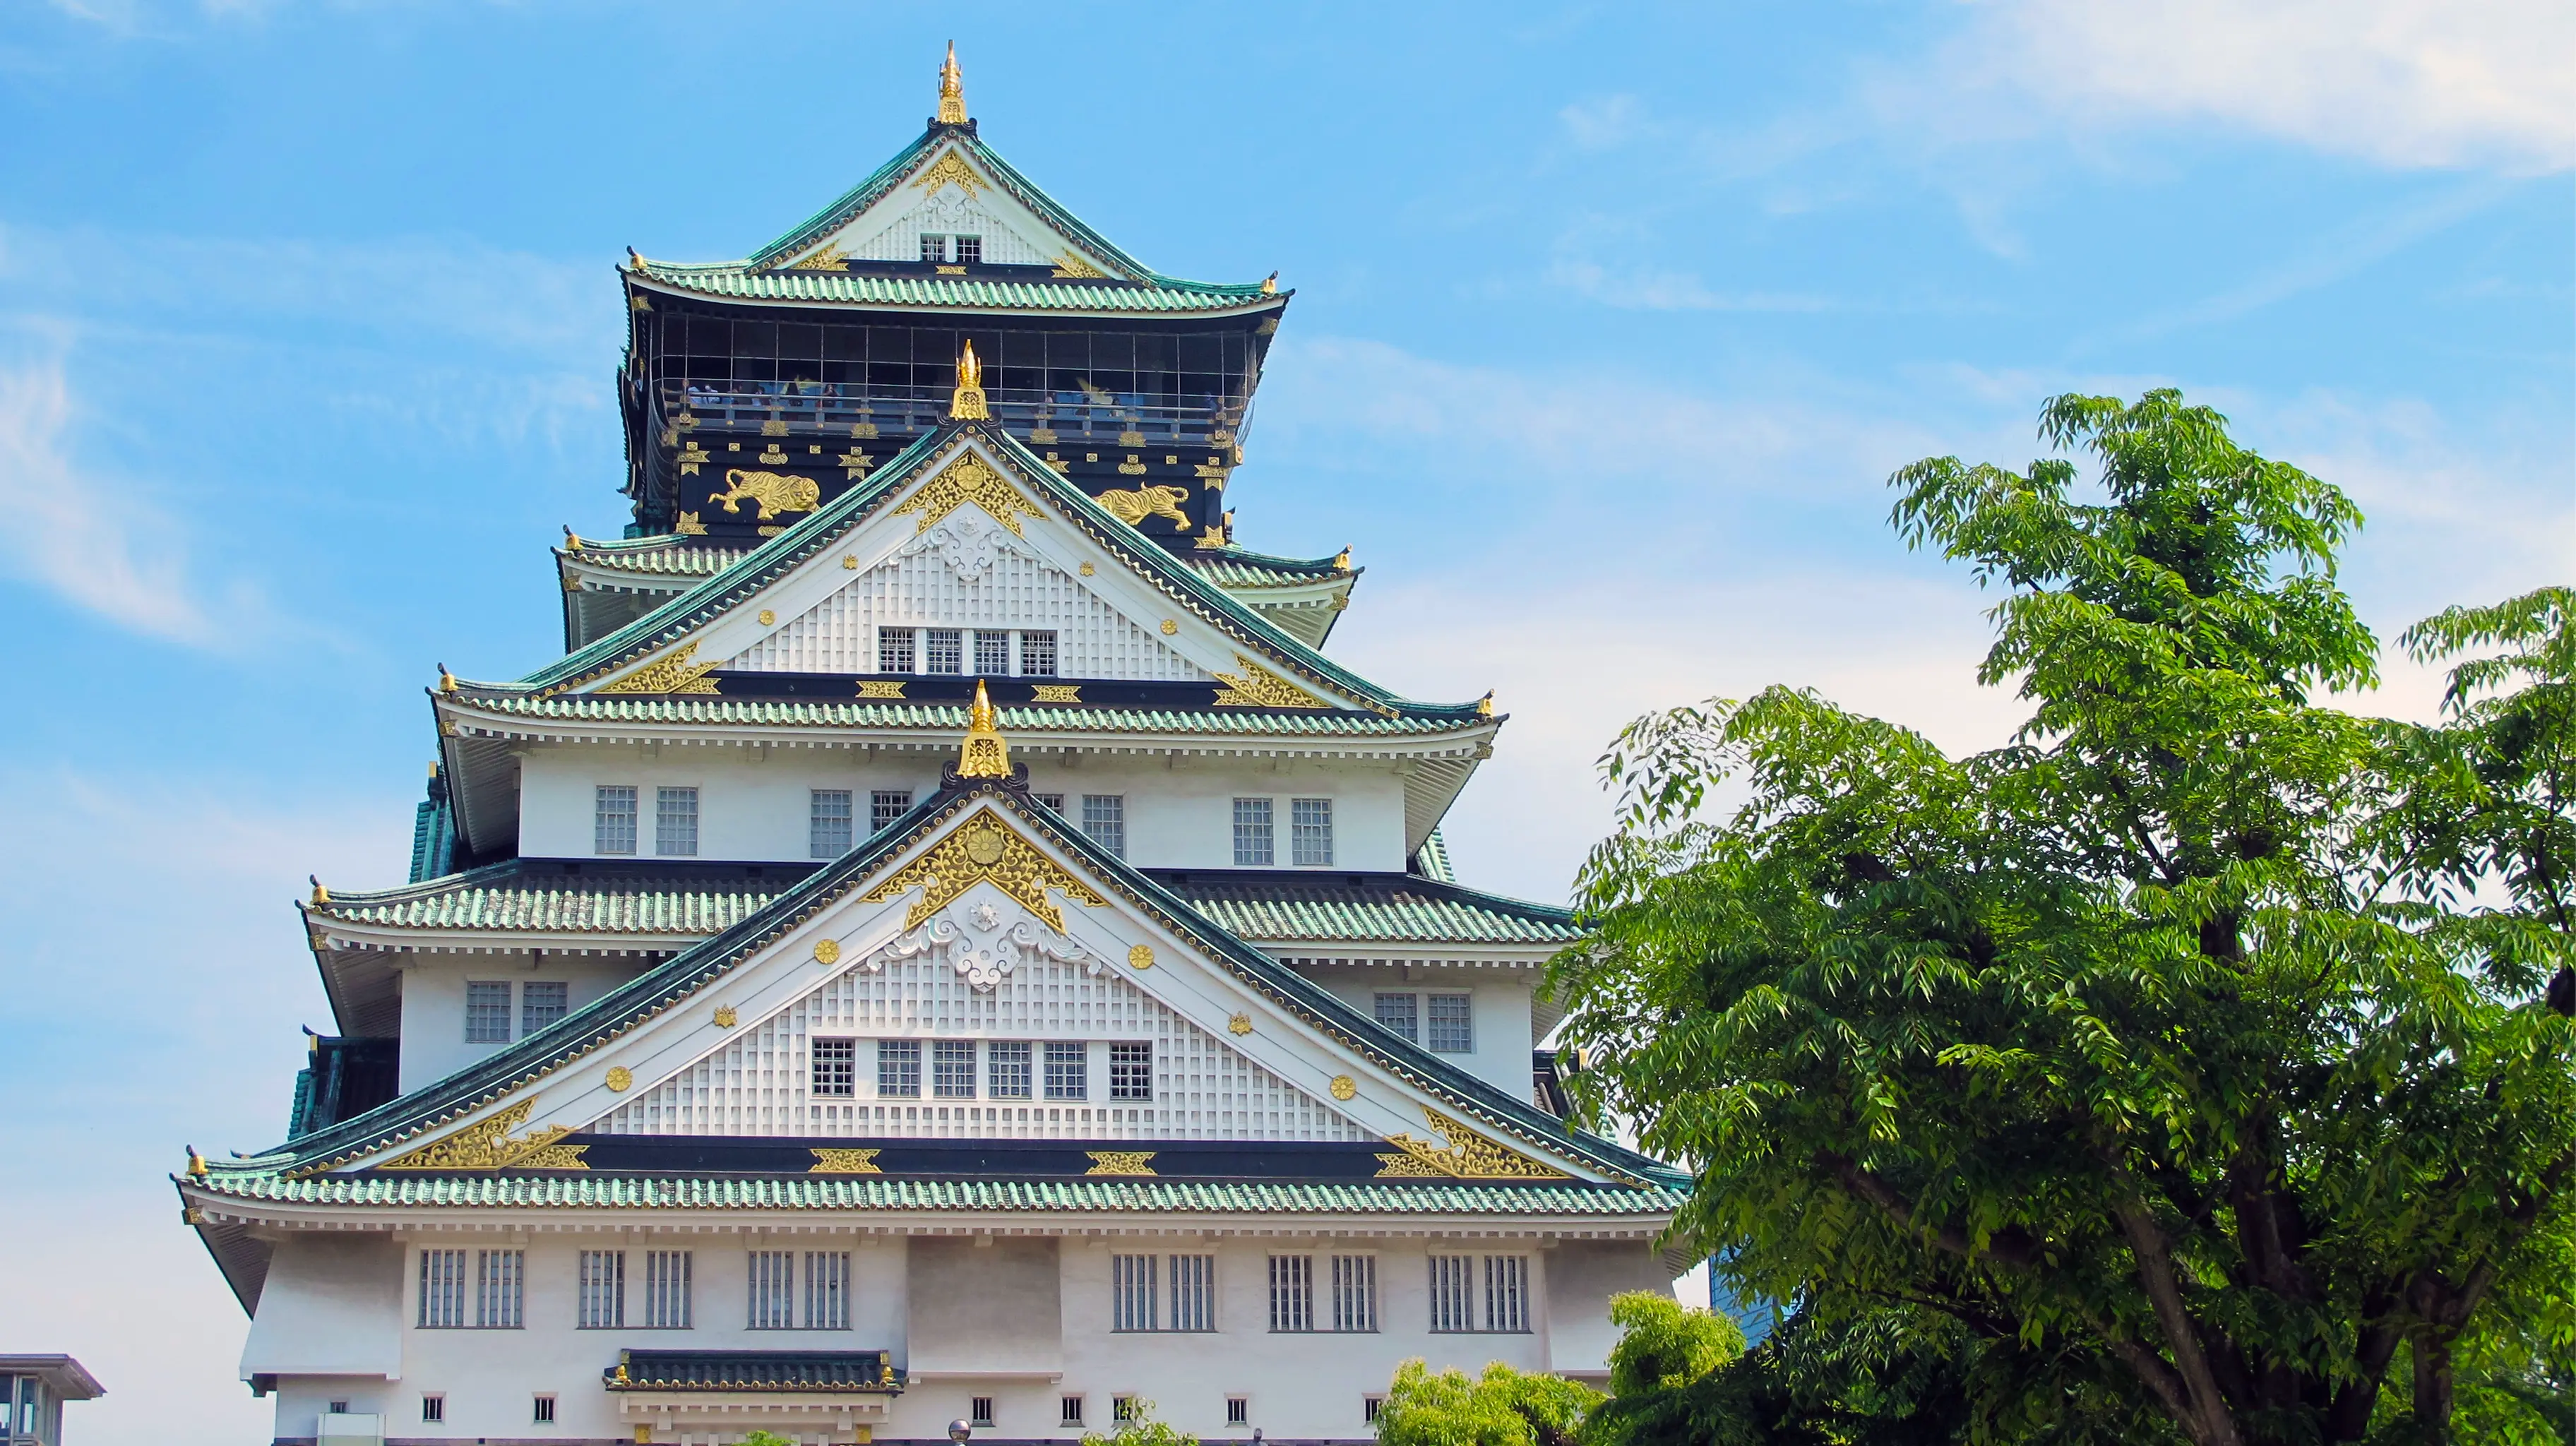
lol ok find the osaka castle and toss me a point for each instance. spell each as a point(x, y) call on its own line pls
point(944, 944)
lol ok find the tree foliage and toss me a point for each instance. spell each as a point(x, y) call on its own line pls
point(2204, 1052)
point(1139, 1428)
point(1502, 1407)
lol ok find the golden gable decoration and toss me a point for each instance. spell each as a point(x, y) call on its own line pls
point(985, 850)
point(950, 168)
point(1258, 687)
point(968, 480)
point(1461, 1155)
point(826, 257)
point(844, 1162)
point(486, 1145)
point(1070, 267)
point(676, 673)
point(1120, 1162)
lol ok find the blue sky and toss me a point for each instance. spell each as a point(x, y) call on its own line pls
point(1611, 322)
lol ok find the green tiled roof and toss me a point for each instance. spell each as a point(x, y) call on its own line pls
point(583, 1191)
point(735, 281)
point(670, 556)
point(508, 897)
point(951, 717)
point(1416, 910)
point(1234, 567)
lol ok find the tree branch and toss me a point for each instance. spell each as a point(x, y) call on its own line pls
point(2209, 1421)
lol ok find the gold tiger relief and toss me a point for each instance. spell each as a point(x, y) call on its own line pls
point(774, 492)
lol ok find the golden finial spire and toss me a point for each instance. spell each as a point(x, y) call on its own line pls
point(983, 754)
point(952, 91)
point(968, 404)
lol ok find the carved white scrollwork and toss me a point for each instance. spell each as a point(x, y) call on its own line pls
point(976, 943)
point(968, 542)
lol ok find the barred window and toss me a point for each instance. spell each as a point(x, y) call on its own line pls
point(613, 819)
point(1453, 1291)
point(1123, 1408)
point(952, 1069)
point(667, 1304)
point(1068, 1070)
point(1252, 834)
point(433, 1406)
point(1292, 1293)
point(1507, 1293)
point(1053, 801)
point(1310, 830)
point(827, 823)
point(1452, 1024)
point(1369, 1408)
point(1006, 1069)
point(1133, 1287)
point(992, 653)
point(603, 1290)
point(945, 651)
point(675, 821)
point(894, 650)
point(836, 1067)
point(1104, 818)
point(827, 1290)
point(885, 806)
point(773, 1290)
point(969, 249)
point(1238, 1410)
point(1131, 1071)
point(1355, 1292)
point(442, 1289)
point(500, 1289)
point(979, 1410)
point(933, 247)
point(543, 1413)
point(1037, 654)
point(1193, 1292)
point(542, 1002)
point(487, 1012)
point(899, 1068)
point(1070, 1410)
point(1399, 1013)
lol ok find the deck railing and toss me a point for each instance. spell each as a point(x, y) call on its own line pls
point(827, 409)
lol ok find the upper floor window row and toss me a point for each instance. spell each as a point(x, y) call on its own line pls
point(1013, 1069)
point(993, 651)
point(487, 1008)
point(1310, 833)
point(831, 819)
point(614, 826)
point(1447, 1026)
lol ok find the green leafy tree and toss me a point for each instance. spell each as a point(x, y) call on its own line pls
point(1664, 1344)
point(2183, 1046)
point(1139, 1428)
point(1502, 1407)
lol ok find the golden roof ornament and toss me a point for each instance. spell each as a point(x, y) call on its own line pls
point(952, 91)
point(196, 1164)
point(572, 539)
point(446, 679)
point(1485, 705)
point(321, 895)
point(983, 754)
point(968, 404)
point(1342, 563)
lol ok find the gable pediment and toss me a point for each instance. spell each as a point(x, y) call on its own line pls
point(951, 193)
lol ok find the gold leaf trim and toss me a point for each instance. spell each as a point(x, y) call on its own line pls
point(1055, 692)
point(985, 850)
point(1120, 1162)
point(1461, 1155)
point(620, 1079)
point(1141, 957)
point(950, 169)
point(843, 1162)
point(486, 1145)
point(1258, 687)
point(968, 480)
point(1070, 267)
point(826, 257)
point(677, 673)
point(881, 690)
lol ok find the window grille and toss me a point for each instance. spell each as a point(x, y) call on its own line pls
point(1453, 1289)
point(433, 1408)
point(603, 1290)
point(1238, 1410)
point(1452, 1024)
point(933, 248)
point(1068, 1071)
point(836, 1067)
point(675, 822)
point(442, 1289)
point(1252, 834)
point(894, 650)
point(1006, 1069)
point(952, 1069)
point(827, 828)
point(1355, 1292)
point(773, 1290)
point(1037, 654)
point(1370, 1406)
point(1194, 1292)
point(542, 1002)
point(1292, 1293)
point(1104, 818)
point(1507, 1293)
point(970, 249)
point(1122, 1408)
point(899, 1068)
point(1053, 801)
point(1133, 1288)
point(945, 652)
point(979, 1410)
point(1071, 1409)
point(500, 1289)
point(827, 1290)
point(544, 1414)
point(885, 806)
point(487, 1012)
point(1310, 829)
point(992, 653)
point(613, 819)
point(667, 1304)
point(1131, 1071)
point(1399, 1013)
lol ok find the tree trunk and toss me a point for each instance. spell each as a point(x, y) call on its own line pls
point(2432, 1388)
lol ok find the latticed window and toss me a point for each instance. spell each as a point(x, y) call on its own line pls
point(827, 827)
point(487, 1012)
point(1053, 801)
point(894, 650)
point(1104, 819)
point(603, 1290)
point(933, 247)
point(1453, 1293)
point(945, 651)
point(773, 1291)
point(1193, 1292)
point(1310, 829)
point(885, 806)
point(1399, 1012)
point(1292, 1292)
point(667, 1303)
point(442, 1289)
point(1134, 1292)
point(542, 1002)
point(1452, 1024)
point(1068, 1071)
point(992, 653)
point(500, 1289)
point(1252, 834)
point(836, 1067)
point(827, 1290)
point(675, 822)
point(952, 1069)
point(970, 249)
point(1037, 654)
point(1355, 1292)
point(1507, 1293)
point(899, 1068)
point(1131, 1071)
point(613, 819)
point(1006, 1069)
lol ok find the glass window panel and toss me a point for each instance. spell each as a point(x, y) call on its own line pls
point(835, 1067)
point(1068, 1067)
point(1311, 831)
point(487, 1012)
point(899, 1068)
point(542, 1002)
point(1252, 833)
point(827, 829)
point(945, 651)
point(1006, 1069)
point(675, 821)
point(613, 831)
point(1131, 1071)
point(952, 1069)
point(1400, 1013)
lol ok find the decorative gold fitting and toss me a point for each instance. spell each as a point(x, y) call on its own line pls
point(1270, 284)
point(952, 90)
point(572, 540)
point(968, 403)
point(321, 895)
point(446, 679)
point(196, 1164)
point(1485, 705)
point(984, 753)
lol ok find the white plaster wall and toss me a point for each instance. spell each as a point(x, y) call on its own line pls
point(433, 1001)
point(1180, 812)
point(328, 1308)
point(1499, 1007)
